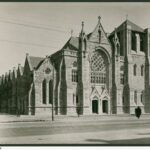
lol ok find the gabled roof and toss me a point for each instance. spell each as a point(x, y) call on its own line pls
point(98, 31)
point(72, 44)
point(34, 61)
point(134, 27)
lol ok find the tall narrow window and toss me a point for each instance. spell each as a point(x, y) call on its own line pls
point(50, 91)
point(74, 75)
point(77, 99)
point(135, 97)
point(142, 93)
point(134, 69)
point(44, 91)
point(141, 98)
point(141, 43)
point(133, 42)
point(73, 96)
point(121, 78)
point(142, 70)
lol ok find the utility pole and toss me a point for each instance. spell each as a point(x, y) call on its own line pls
point(53, 95)
point(52, 112)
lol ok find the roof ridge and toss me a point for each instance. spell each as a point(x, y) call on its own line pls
point(36, 57)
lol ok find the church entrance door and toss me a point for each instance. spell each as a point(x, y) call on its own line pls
point(105, 106)
point(95, 106)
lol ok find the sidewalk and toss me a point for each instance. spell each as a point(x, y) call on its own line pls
point(130, 136)
point(4, 118)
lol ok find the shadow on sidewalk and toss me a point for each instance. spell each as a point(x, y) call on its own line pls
point(139, 141)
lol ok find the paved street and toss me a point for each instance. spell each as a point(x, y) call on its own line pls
point(74, 130)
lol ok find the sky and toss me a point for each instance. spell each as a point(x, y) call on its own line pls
point(41, 29)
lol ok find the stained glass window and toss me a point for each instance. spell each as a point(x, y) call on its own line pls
point(98, 68)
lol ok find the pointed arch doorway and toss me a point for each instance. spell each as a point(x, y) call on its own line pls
point(95, 105)
point(105, 106)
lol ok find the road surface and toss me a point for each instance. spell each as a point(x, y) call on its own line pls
point(90, 130)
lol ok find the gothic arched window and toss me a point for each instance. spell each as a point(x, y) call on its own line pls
point(44, 91)
point(74, 72)
point(98, 68)
point(135, 97)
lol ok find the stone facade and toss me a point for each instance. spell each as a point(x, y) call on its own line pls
point(94, 73)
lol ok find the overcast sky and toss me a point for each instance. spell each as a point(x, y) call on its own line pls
point(41, 29)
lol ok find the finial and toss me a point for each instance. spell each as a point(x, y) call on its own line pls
point(99, 18)
point(82, 25)
point(27, 54)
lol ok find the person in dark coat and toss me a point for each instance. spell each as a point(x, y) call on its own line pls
point(78, 111)
point(138, 112)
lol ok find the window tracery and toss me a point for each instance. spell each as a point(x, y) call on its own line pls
point(98, 68)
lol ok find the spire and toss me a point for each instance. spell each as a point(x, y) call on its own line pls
point(99, 19)
point(82, 34)
point(82, 29)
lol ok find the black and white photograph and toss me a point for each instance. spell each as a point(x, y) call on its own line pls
point(74, 73)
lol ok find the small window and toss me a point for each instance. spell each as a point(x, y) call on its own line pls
point(134, 69)
point(135, 97)
point(74, 64)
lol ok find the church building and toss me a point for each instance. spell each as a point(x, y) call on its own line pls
point(94, 73)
